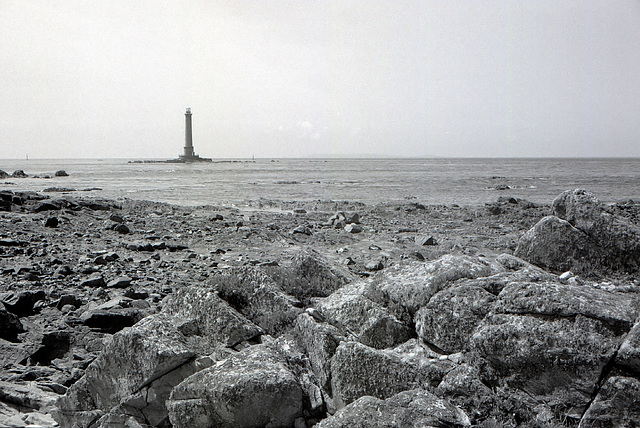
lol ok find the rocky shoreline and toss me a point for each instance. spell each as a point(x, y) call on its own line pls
point(318, 313)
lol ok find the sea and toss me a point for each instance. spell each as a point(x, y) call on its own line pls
point(461, 181)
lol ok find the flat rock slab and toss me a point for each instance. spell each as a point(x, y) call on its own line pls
point(555, 299)
point(413, 285)
point(414, 408)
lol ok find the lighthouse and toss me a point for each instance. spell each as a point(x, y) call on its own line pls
point(188, 136)
point(189, 155)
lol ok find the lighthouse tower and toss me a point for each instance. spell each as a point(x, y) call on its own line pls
point(189, 155)
point(188, 136)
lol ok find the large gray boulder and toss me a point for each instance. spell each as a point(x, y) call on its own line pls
point(553, 341)
point(256, 295)
point(464, 387)
point(129, 364)
point(209, 319)
point(413, 284)
point(555, 244)
point(416, 408)
point(319, 341)
point(254, 388)
point(311, 275)
point(582, 236)
point(451, 316)
point(616, 405)
point(365, 314)
point(579, 207)
point(358, 370)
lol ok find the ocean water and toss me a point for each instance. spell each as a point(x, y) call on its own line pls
point(429, 181)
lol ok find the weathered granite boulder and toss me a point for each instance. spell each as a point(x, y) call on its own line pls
point(319, 341)
point(414, 408)
point(451, 316)
point(311, 275)
point(253, 388)
point(579, 207)
point(553, 340)
point(256, 295)
point(358, 370)
point(366, 314)
point(128, 366)
point(463, 386)
point(413, 284)
point(628, 355)
point(618, 310)
point(616, 405)
point(555, 244)
point(210, 319)
point(582, 237)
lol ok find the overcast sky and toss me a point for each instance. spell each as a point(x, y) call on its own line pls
point(112, 78)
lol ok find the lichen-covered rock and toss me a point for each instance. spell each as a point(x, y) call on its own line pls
point(253, 388)
point(311, 275)
point(464, 387)
point(617, 310)
point(358, 370)
point(558, 359)
point(450, 317)
point(407, 409)
point(518, 269)
point(555, 244)
point(256, 296)
point(319, 340)
point(365, 314)
point(582, 237)
point(211, 318)
point(413, 284)
point(579, 207)
point(553, 340)
point(134, 358)
point(616, 405)
point(629, 353)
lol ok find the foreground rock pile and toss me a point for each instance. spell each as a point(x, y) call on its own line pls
point(214, 318)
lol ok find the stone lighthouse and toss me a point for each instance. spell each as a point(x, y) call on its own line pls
point(189, 155)
point(188, 135)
